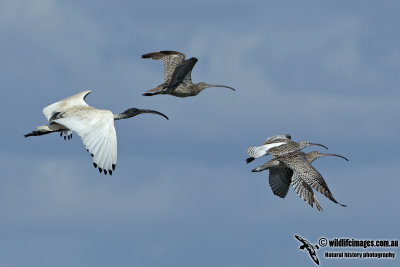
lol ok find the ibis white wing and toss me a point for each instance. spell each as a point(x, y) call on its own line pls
point(66, 103)
point(96, 129)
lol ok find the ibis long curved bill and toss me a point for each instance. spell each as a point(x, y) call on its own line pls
point(141, 111)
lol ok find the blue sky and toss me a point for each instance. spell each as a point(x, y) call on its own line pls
point(323, 71)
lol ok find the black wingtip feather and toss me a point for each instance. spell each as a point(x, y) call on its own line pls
point(157, 54)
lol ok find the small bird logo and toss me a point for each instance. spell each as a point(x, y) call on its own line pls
point(309, 247)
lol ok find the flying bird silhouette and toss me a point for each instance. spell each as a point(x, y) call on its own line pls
point(309, 247)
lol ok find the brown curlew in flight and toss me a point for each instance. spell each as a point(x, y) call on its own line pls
point(295, 169)
point(177, 75)
point(277, 145)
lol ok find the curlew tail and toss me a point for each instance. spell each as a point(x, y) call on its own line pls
point(151, 94)
point(248, 160)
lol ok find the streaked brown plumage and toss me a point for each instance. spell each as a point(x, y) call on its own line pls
point(177, 75)
point(276, 146)
point(296, 169)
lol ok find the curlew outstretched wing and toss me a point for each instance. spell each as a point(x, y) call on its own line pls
point(96, 129)
point(170, 59)
point(279, 180)
point(303, 169)
point(318, 183)
point(304, 191)
point(182, 74)
point(277, 137)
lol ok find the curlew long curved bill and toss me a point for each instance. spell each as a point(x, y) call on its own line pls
point(335, 155)
point(314, 144)
point(217, 85)
point(140, 111)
